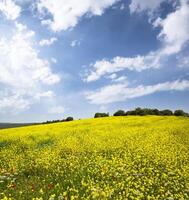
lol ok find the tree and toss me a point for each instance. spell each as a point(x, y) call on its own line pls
point(166, 112)
point(139, 111)
point(180, 113)
point(119, 113)
point(69, 119)
point(155, 112)
point(149, 111)
point(130, 112)
point(97, 115)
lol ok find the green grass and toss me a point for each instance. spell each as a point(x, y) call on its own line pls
point(108, 158)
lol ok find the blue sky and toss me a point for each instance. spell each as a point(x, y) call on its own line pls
point(60, 58)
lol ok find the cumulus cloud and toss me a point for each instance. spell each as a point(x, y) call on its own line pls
point(172, 42)
point(118, 79)
point(24, 73)
point(173, 39)
point(66, 14)
point(121, 92)
point(20, 63)
point(47, 42)
point(14, 103)
point(138, 63)
point(10, 9)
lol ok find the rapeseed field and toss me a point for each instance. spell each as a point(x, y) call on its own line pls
point(108, 158)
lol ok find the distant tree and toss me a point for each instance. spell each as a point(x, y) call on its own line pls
point(130, 112)
point(139, 111)
point(155, 112)
point(166, 112)
point(69, 119)
point(97, 115)
point(148, 111)
point(127, 113)
point(119, 113)
point(180, 113)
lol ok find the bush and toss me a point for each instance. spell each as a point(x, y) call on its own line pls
point(148, 111)
point(130, 112)
point(97, 115)
point(155, 112)
point(166, 112)
point(69, 119)
point(180, 113)
point(119, 113)
point(139, 111)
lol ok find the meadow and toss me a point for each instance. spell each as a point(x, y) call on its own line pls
point(107, 158)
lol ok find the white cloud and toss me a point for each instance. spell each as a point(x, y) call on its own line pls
point(14, 103)
point(9, 9)
point(66, 13)
point(57, 110)
point(47, 42)
point(139, 6)
point(112, 76)
point(17, 101)
point(138, 63)
point(122, 7)
point(121, 92)
point(174, 29)
point(20, 63)
point(172, 42)
point(183, 61)
point(121, 79)
point(75, 43)
point(23, 73)
point(53, 60)
point(47, 94)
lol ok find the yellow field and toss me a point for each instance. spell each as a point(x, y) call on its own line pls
point(108, 158)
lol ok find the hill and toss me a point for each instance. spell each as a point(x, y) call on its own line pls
point(13, 125)
point(108, 158)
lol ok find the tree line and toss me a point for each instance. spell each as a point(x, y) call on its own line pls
point(137, 112)
point(143, 112)
point(68, 119)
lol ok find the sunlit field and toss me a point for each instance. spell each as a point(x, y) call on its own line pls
point(107, 158)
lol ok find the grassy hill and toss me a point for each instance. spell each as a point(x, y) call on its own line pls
point(107, 158)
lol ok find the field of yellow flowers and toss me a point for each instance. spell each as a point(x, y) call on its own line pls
point(107, 158)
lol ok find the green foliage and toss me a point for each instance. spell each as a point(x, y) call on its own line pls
point(148, 111)
point(98, 115)
point(130, 157)
point(180, 113)
point(57, 121)
point(140, 111)
point(69, 119)
point(119, 113)
point(166, 112)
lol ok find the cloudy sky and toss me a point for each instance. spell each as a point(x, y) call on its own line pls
point(78, 57)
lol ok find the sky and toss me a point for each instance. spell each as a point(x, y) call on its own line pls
point(62, 58)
